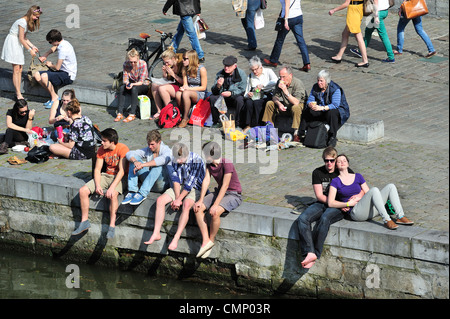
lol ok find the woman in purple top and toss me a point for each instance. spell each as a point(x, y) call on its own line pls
point(226, 197)
point(344, 194)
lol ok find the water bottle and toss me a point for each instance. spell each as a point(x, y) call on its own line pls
point(44, 133)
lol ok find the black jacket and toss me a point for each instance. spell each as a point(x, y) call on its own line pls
point(183, 7)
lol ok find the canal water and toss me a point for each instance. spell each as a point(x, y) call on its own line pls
point(25, 276)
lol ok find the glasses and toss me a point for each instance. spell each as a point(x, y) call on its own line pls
point(185, 59)
point(327, 160)
point(133, 62)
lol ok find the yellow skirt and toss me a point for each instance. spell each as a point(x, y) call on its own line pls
point(354, 18)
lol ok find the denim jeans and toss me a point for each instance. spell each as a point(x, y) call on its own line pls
point(402, 22)
point(187, 24)
point(312, 241)
point(296, 26)
point(154, 178)
point(249, 22)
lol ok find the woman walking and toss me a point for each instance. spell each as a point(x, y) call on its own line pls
point(16, 40)
point(353, 25)
point(291, 11)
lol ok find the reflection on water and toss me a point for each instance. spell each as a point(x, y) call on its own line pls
point(28, 276)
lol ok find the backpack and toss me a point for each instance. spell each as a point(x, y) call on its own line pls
point(316, 135)
point(267, 133)
point(38, 154)
point(170, 116)
point(117, 81)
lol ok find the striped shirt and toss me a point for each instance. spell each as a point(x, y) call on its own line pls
point(189, 174)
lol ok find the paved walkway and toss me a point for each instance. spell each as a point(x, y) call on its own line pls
point(410, 96)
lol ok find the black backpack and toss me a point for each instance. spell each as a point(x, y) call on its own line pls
point(316, 135)
point(38, 154)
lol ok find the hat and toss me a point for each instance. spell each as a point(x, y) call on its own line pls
point(229, 60)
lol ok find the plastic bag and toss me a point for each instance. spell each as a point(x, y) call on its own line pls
point(201, 35)
point(259, 19)
point(221, 105)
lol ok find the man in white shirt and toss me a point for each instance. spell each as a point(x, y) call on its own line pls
point(65, 70)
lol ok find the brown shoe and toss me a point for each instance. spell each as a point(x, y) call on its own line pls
point(306, 68)
point(390, 225)
point(268, 62)
point(183, 123)
point(404, 221)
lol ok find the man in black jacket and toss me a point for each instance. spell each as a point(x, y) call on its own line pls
point(186, 9)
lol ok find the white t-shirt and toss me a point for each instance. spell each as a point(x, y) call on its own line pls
point(295, 8)
point(383, 5)
point(67, 54)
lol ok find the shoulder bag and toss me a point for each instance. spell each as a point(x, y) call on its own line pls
point(414, 8)
point(279, 25)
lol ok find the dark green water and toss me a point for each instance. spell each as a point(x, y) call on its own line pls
point(27, 276)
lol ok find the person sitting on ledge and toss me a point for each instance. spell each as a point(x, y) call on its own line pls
point(187, 170)
point(345, 194)
point(226, 197)
point(112, 153)
point(150, 165)
point(81, 141)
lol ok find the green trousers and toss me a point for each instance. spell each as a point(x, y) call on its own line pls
point(382, 33)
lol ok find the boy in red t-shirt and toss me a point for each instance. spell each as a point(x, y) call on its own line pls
point(113, 154)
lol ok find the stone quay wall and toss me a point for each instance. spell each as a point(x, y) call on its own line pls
point(256, 249)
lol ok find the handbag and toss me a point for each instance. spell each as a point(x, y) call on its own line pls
point(202, 25)
point(263, 4)
point(368, 7)
point(279, 24)
point(200, 113)
point(414, 8)
point(35, 67)
point(259, 19)
point(200, 34)
point(38, 154)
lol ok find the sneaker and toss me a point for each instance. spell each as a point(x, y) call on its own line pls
point(389, 60)
point(137, 199)
point(356, 52)
point(128, 198)
point(82, 227)
point(202, 60)
point(111, 232)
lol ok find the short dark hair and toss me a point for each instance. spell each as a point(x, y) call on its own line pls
point(54, 36)
point(111, 135)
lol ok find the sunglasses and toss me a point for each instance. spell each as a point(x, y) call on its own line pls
point(38, 10)
point(326, 160)
point(23, 112)
point(185, 59)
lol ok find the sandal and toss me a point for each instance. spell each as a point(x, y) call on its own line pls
point(118, 117)
point(156, 116)
point(130, 118)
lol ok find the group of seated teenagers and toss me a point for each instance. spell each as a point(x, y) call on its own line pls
point(181, 177)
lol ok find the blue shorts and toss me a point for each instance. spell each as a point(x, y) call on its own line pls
point(58, 78)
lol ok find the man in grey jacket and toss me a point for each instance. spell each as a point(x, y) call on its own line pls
point(230, 83)
point(149, 165)
point(186, 9)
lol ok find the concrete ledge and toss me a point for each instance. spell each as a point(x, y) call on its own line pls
point(260, 241)
point(361, 130)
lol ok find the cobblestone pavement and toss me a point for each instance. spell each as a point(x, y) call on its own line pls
point(410, 96)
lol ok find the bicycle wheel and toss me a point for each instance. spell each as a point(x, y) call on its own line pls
point(155, 70)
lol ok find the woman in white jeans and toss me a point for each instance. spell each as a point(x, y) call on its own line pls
point(344, 191)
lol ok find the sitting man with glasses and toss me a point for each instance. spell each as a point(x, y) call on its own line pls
point(311, 242)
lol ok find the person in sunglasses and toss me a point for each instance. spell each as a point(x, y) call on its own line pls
point(19, 121)
point(311, 242)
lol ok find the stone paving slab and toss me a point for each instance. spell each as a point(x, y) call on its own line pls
point(410, 96)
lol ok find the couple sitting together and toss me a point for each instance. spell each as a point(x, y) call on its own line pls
point(342, 193)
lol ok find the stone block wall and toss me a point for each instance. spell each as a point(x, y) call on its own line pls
point(257, 248)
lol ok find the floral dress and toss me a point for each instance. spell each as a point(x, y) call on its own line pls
point(81, 132)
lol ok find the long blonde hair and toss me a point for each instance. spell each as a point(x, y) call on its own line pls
point(33, 25)
point(192, 68)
